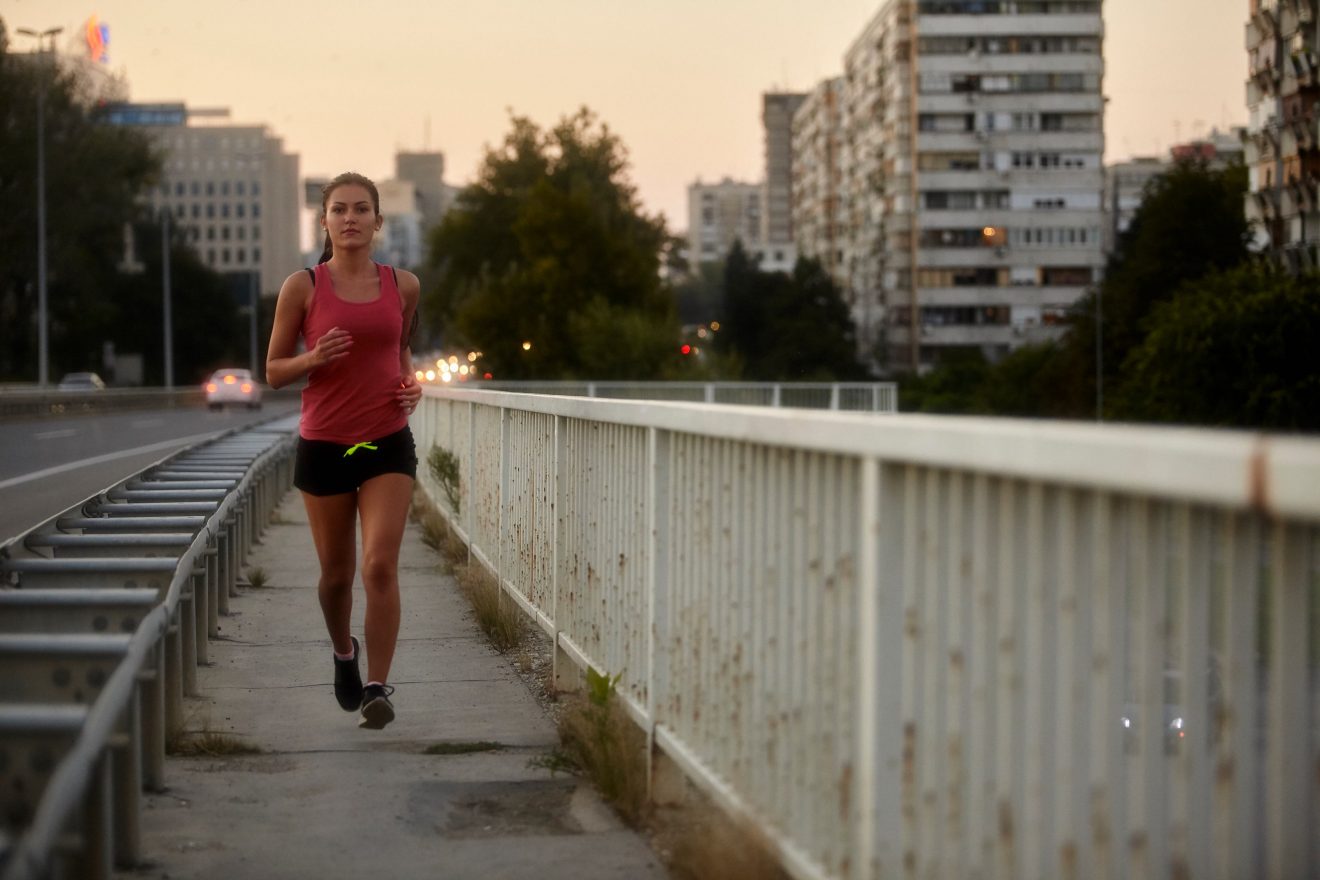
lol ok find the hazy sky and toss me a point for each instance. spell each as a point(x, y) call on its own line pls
point(346, 85)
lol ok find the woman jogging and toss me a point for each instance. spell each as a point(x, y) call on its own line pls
point(356, 456)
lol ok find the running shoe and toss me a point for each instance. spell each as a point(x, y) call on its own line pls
point(377, 710)
point(348, 680)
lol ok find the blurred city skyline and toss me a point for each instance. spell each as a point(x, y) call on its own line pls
point(679, 81)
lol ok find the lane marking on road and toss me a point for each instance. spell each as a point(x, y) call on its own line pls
point(109, 456)
point(52, 435)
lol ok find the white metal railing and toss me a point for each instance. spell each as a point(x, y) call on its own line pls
point(926, 646)
point(858, 396)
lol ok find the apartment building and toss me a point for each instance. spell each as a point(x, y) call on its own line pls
point(817, 184)
point(720, 214)
point(1125, 189)
point(1282, 149)
point(777, 111)
point(972, 174)
point(231, 188)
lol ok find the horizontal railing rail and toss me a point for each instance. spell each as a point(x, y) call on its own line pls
point(924, 646)
point(856, 396)
point(105, 613)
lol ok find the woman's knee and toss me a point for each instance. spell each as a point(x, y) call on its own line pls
point(380, 572)
point(337, 578)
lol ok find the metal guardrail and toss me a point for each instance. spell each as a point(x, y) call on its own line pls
point(17, 403)
point(105, 613)
point(926, 646)
point(852, 396)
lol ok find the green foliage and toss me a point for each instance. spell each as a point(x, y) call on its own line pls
point(1184, 246)
point(444, 468)
point(786, 327)
point(1235, 348)
point(550, 247)
point(601, 687)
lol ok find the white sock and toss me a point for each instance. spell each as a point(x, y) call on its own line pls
point(338, 656)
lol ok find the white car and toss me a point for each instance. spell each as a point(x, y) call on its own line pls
point(232, 386)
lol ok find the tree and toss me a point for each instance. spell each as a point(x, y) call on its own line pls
point(1190, 223)
point(787, 327)
point(550, 248)
point(94, 176)
point(1235, 348)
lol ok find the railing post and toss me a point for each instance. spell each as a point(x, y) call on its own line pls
point(126, 760)
point(834, 395)
point(657, 588)
point(774, 395)
point(564, 672)
point(502, 499)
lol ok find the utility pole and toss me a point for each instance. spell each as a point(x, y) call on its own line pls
point(43, 324)
point(165, 279)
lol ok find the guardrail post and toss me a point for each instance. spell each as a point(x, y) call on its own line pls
point(232, 555)
point(222, 589)
point(174, 675)
point(188, 628)
point(97, 831)
point(153, 719)
point(213, 590)
point(126, 758)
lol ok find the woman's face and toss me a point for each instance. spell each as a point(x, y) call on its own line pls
point(350, 217)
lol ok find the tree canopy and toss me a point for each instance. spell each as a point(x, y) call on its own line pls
point(786, 327)
point(549, 267)
point(96, 176)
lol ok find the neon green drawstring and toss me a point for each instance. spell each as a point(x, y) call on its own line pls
point(356, 447)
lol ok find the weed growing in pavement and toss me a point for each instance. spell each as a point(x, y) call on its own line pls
point(499, 618)
point(257, 577)
point(208, 744)
point(596, 735)
point(444, 467)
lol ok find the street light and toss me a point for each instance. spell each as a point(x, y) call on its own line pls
point(43, 352)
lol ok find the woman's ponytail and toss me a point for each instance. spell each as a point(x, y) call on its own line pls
point(326, 252)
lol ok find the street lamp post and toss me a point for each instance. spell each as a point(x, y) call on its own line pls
point(43, 346)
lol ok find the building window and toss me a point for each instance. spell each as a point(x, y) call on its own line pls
point(238, 188)
point(224, 187)
point(224, 256)
point(240, 232)
point(210, 188)
point(195, 188)
point(210, 210)
point(242, 254)
point(224, 210)
point(239, 210)
point(178, 189)
point(224, 233)
point(196, 211)
point(256, 232)
point(210, 256)
point(256, 188)
point(256, 255)
point(210, 233)
point(256, 210)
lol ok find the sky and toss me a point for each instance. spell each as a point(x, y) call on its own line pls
point(346, 85)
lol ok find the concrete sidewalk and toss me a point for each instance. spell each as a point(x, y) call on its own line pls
point(325, 799)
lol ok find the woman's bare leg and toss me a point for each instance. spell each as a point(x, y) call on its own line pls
point(383, 504)
point(332, 518)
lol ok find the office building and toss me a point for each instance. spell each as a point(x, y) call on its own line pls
point(231, 188)
point(777, 110)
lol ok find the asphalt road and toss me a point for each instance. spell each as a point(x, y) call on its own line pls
point(50, 464)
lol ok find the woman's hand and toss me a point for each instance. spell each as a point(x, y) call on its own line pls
point(333, 345)
point(409, 392)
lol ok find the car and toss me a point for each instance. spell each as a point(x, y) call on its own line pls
point(81, 382)
point(232, 386)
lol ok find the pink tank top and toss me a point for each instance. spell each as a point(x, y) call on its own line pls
point(352, 400)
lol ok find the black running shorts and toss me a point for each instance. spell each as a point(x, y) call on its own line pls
point(325, 468)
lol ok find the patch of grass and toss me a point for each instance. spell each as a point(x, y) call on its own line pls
point(257, 577)
point(596, 734)
point(437, 533)
point(498, 617)
point(463, 748)
point(208, 744)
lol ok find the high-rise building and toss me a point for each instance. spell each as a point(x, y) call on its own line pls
point(777, 109)
point(426, 172)
point(232, 188)
point(1282, 144)
point(817, 203)
point(973, 135)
